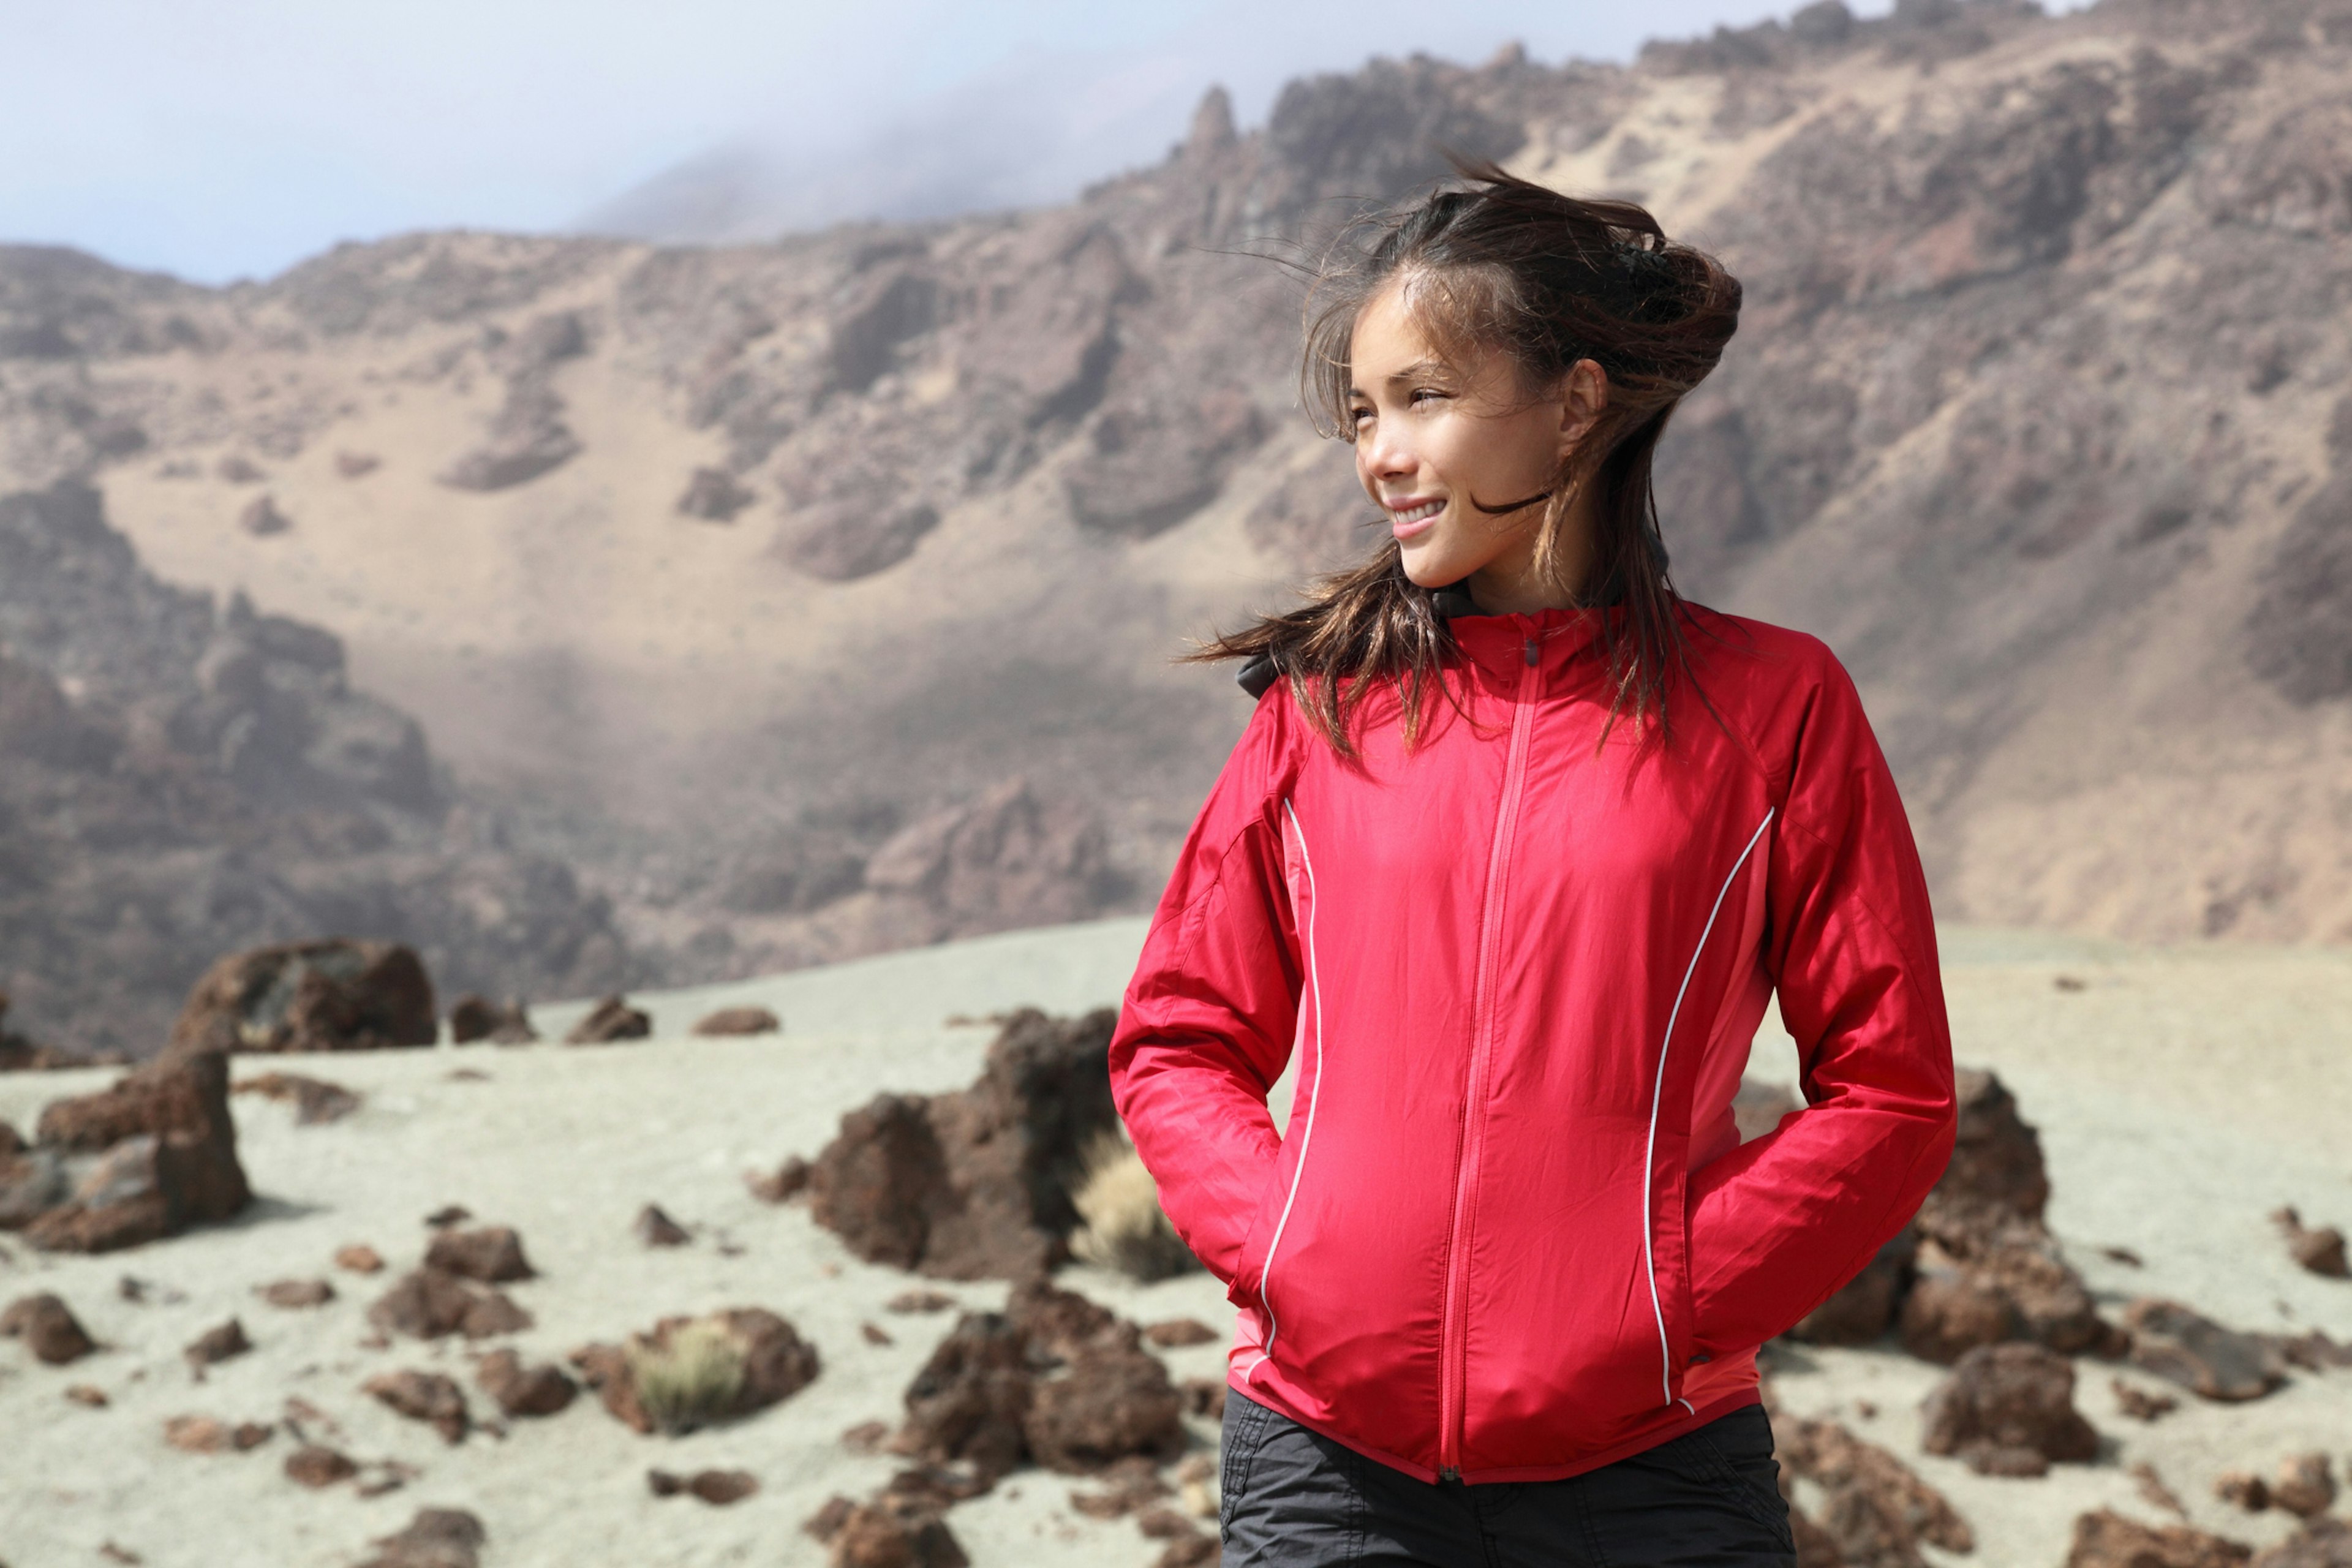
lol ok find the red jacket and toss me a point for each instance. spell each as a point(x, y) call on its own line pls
point(1510, 1233)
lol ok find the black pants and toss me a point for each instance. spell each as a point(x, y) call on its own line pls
point(1294, 1499)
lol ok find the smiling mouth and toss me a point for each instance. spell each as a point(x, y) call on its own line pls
point(1404, 519)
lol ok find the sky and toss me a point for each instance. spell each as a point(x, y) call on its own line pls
point(232, 139)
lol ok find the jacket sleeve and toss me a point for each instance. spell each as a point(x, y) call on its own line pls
point(1209, 1018)
point(1781, 1224)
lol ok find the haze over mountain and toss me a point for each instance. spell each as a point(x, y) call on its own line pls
point(816, 596)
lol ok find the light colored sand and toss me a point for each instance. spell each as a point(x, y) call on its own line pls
point(2182, 1095)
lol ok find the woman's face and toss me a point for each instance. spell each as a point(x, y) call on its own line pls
point(1436, 442)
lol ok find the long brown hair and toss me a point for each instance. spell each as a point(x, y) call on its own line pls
point(1548, 279)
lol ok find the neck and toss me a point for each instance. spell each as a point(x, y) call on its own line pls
point(1510, 586)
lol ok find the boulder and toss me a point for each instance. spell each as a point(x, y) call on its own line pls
point(428, 1304)
point(2009, 1410)
point(2210, 1361)
point(610, 1019)
point(491, 1254)
point(520, 1389)
point(327, 995)
point(476, 1017)
point(2304, 1484)
point(48, 1328)
point(977, 1184)
point(693, 1372)
point(1996, 1183)
point(315, 1466)
point(971, 1397)
point(2108, 1539)
point(1949, 1313)
point(2320, 1543)
point(1107, 1402)
point(165, 1158)
point(2319, 1251)
point(1865, 1307)
point(436, 1538)
point(1875, 1509)
point(739, 1021)
point(314, 1099)
point(428, 1397)
point(893, 1531)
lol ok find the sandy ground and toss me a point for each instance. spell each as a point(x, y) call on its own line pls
point(2182, 1095)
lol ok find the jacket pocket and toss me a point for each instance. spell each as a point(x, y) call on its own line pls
point(1249, 1271)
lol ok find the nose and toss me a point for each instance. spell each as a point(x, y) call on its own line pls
point(1381, 456)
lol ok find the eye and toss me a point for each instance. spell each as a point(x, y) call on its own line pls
point(1359, 414)
point(1425, 394)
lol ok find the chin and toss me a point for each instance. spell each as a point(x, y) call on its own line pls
point(1425, 569)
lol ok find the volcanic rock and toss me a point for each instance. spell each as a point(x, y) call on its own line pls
point(718, 1488)
point(223, 1341)
point(88, 1395)
point(427, 1303)
point(48, 1328)
point(296, 1292)
point(1947, 1314)
point(1996, 1183)
point(739, 1021)
point(2320, 1543)
point(360, 1258)
point(476, 1017)
point(428, 1397)
point(315, 1099)
point(2107, 1540)
point(491, 1254)
point(166, 1148)
point(315, 1466)
point(893, 1531)
point(18, 1053)
point(330, 995)
point(653, 1229)
point(610, 1019)
point(2214, 1362)
point(786, 1182)
point(436, 1538)
point(713, 496)
point(202, 1435)
point(977, 1184)
point(2305, 1486)
point(1203, 1397)
point(356, 465)
point(1875, 1511)
point(262, 519)
point(1865, 1306)
point(527, 438)
point(1174, 1331)
point(920, 1301)
point(2140, 1405)
point(772, 1362)
point(2318, 1251)
point(971, 1397)
point(520, 1389)
point(2009, 1410)
point(2244, 1489)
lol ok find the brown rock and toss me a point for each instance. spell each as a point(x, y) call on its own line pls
point(167, 1158)
point(296, 1292)
point(2106, 1540)
point(1106, 1403)
point(882, 1184)
point(448, 1214)
point(474, 1017)
point(875, 1334)
point(2009, 1410)
point(1875, 1509)
point(360, 1258)
point(262, 519)
point(787, 1182)
point(48, 1328)
point(1193, 1550)
point(739, 1021)
point(202, 1435)
point(2319, 1251)
point(713, 496)
point(314, 1466)
point(12, 1144)
point(1203, 1397)
point(2202, 1356)
point(224, 1341)
point(775, 1364)
point(314, 1099)
point(89, 1395)
point(2320, 1543)
point(436, 1538)
point(894, 1530)
point(1948, 1314)
point(719, 1488)
point(971, 1398)
point(1864, 1308)
point(610, 1019)
point(1176, 1331)
point(330, 996)
point(2248, 1491)
point(2140, 1405)
point(1996, 1181)
point(541, 1390)
point(2305, 1486)
point(427, 1303)
point(428, 1396)
point(652, 1228)
point(921, 1302)
point(491, 1254)
point(2151, 1487)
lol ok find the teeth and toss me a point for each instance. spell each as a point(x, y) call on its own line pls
point(1427, 509)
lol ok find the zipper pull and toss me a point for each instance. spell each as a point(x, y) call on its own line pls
point(1450, 1474)
point(1531, 652)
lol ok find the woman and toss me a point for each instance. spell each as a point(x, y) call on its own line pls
point(1511, 856)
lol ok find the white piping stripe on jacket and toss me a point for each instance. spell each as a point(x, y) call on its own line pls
point(1307, 1138)
point(1657, 1091)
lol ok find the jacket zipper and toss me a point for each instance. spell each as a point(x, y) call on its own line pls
point(1454, 1330)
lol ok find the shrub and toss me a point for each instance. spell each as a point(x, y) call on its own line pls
point(1123, 1225)
point(688, 1377)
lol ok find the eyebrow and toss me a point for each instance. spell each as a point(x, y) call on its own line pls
point(1420, 370)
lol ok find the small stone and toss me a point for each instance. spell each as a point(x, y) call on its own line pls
point(2303, 1486)
point(1204, 1396)
point(719, 1487)
point(920, 1301)
point(262, 519)
point(436, 1538)
point(827, 1522)
point(610, 1020)
point(202, 1435)
point(1174, 1331)
point(2317, 1251)
point(865, 1437)
point(314, 1466)
point(315, 1100)
point(448, 1214)
point(427, 1396)
point(215, 1345)
point(1194, 1551)
point(652, 1228)
point(48, 1328)
point(2247, 1490)
point(2320, 1543)
point(296, 1292)
point(2153, 1490)
point(89, 1395)
point(492, 1254)
point(474, 1019)
point(2140, 1405)
point(2210, 1361)
point(875, 1334)
point(788, 1180)
point(359, 1258)
point(739, 1021)
point(541, 1390)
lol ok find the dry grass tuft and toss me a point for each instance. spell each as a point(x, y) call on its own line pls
point(690, 1377)
point(1124, 1226)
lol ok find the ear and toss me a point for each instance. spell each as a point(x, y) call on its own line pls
point(1583, 398)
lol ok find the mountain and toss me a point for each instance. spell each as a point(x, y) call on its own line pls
point(819, 597)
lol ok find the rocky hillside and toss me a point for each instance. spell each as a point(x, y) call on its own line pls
point(818, 596)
